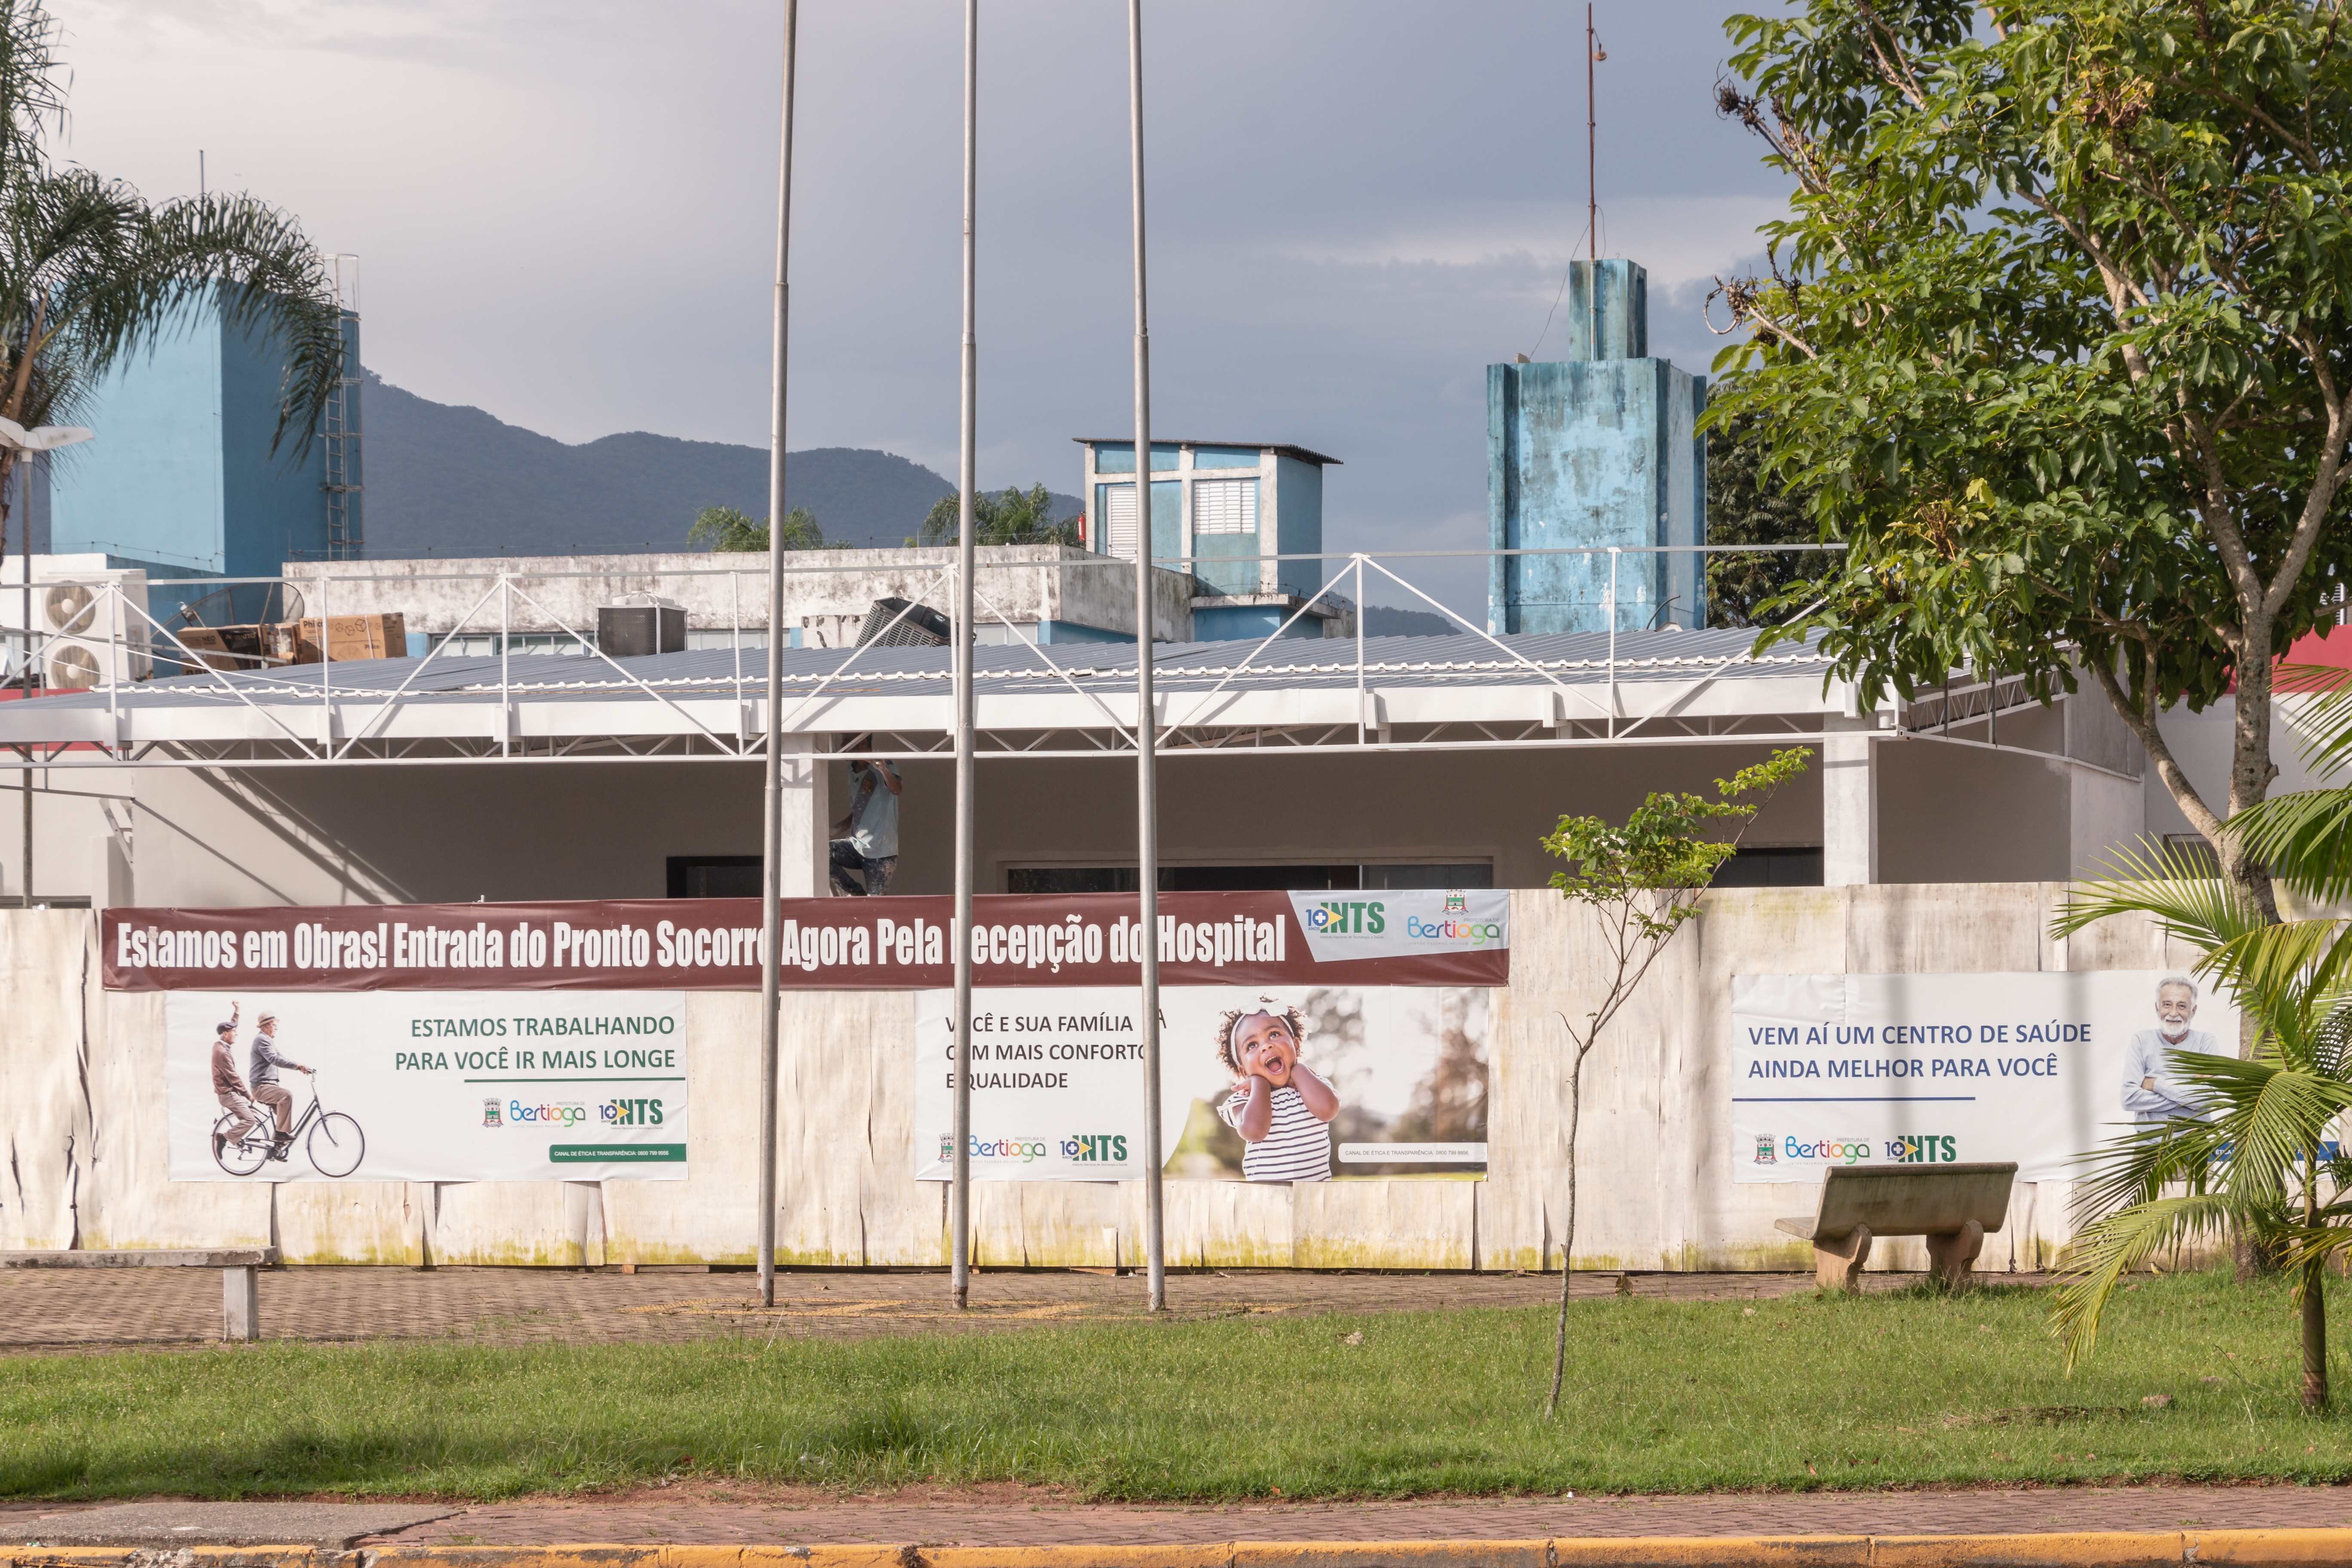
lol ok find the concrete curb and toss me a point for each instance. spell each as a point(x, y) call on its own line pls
point(2301, 1548)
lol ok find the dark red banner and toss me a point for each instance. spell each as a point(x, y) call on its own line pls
point(828, 945)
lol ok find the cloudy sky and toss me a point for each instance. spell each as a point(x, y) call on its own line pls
point(564, 210)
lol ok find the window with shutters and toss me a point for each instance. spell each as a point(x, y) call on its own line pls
point(1120, 506)
point(1224, 506)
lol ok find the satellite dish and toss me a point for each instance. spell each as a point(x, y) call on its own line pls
point(246, 604)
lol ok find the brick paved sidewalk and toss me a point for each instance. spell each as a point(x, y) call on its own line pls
point(913, 1519)
point(122, 1309)
point(1012, 1516)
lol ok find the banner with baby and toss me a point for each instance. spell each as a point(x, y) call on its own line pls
point(1279, 1079)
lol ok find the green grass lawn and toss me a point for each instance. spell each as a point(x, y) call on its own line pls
point(1800, 1393)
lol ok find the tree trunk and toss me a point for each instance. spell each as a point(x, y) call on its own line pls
point(2314, 1298)
point(1568, 1238)
point(2251, 767)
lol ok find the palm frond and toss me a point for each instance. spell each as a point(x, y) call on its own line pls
point(2305, 839)
point(2329, 748)
point(2138, 1163)
point(2100, 1255)
point(2169, 883)
point(32, 95)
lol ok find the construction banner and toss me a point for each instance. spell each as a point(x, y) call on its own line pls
point(828, 945)
point(1854, 1070)
point(1320, 1083)
point(450, 1086)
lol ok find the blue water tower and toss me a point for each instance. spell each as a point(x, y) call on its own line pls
point(1597, 450)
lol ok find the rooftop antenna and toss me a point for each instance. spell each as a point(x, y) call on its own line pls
point(1592, 52)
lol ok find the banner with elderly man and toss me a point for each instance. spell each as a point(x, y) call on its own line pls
point(1851, 1069)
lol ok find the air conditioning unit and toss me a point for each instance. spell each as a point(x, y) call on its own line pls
point(85, 636)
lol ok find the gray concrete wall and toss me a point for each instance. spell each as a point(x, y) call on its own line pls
point(80, 1097)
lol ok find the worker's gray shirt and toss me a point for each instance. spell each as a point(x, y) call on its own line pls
point(266, 1061)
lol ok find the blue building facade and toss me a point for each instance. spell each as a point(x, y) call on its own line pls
point(180, 478)
point(1217, 508)
point(1595, 452)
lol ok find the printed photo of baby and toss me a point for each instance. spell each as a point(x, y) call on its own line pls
point(1280, 1107)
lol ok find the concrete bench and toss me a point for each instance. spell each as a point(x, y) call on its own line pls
point(240, 1274)
point(1954, 1207)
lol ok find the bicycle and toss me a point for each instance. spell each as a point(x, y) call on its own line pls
point(332, 1138)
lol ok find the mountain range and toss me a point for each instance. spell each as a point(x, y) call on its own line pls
point(443, 479)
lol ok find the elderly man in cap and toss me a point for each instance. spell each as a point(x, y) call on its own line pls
point(229, 1089)
point(267, 1061)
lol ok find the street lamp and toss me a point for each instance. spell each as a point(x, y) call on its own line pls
point(42, 438)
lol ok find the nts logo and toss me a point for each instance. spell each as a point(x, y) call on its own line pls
point(1110, 1146)
point(1931, 1149)
point(490, 1113)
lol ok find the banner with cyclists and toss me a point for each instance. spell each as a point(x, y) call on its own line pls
point(447, 1086)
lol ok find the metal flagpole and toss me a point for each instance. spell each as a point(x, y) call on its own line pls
point(772, 873)
point(1147, 719)
point(1592, 146)
point(959, 1199)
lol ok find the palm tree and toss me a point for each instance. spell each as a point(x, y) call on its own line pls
point(727, 528)
point(91, 273)
point(2261, 1162)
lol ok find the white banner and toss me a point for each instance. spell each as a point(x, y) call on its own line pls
point(1372, 1082)
point(1850, 1069)
point(436, 1085)
point(1339, 927)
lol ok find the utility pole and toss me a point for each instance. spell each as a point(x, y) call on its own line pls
point(967, 468)
point(772, 865)
point(1146, 805)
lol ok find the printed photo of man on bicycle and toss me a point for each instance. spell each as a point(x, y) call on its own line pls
point(258, 1121)
point(267, 1061)
point(229, 1089)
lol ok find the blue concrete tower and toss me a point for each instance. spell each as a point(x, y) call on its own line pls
point(1600, 449)
point(181, 479)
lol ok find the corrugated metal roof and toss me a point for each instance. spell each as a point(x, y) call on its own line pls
point(1571, 659)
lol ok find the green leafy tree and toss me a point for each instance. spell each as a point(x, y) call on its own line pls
point(727, 528)
point(2057, 336)
point(91, 273)
point(1745, 506)
point(1642, 881)
point(2258, 1162)
point(1009, 518)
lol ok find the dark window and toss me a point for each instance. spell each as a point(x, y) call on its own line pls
point(2197, 849)
point(714, 876)
point(1773, 867)
point(1449, 877)
point(1070, 879)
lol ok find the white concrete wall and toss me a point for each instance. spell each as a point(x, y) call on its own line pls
point(555, 593)
point(80, 1100)
point(2201, 743)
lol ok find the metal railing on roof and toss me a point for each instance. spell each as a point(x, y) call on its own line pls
point(1186, 719)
